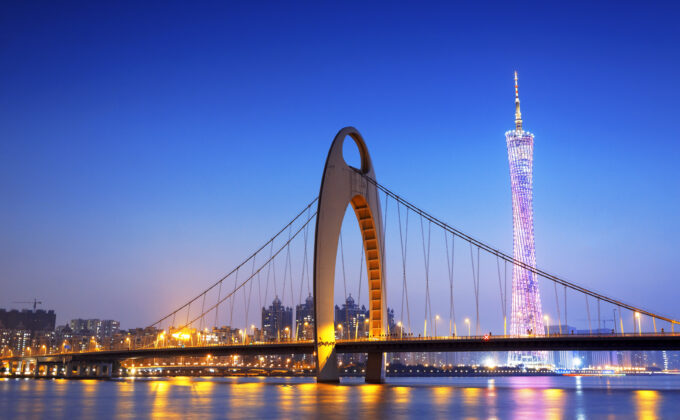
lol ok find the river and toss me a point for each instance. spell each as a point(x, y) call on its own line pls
point(294, 398)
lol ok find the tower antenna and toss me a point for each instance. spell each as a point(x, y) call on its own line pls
point(518, 114)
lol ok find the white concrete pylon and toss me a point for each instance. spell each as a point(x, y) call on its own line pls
point(342, 185)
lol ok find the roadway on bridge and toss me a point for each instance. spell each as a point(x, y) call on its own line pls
point(393, 345)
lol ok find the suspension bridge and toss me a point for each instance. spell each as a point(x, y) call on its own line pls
point(283, 268)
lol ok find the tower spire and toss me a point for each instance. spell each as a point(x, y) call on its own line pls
point(518, 114)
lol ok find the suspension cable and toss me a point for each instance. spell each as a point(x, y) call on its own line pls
point(244, 282)
point(512, 260)
point(271, 240)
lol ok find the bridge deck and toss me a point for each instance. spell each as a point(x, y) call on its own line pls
point(444, 344)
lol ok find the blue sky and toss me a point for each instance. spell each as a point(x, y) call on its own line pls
point(146, 149)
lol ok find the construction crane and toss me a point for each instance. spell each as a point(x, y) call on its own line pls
point(35, 303)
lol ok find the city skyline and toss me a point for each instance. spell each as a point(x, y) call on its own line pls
point(127, 176)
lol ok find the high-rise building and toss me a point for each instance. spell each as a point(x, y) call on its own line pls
point(526, 316)
point(96, 327)
point(351, 320)
point(304, 319)
point(277, 321)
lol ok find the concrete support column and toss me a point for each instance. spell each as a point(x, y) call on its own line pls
point(36, 370)
point(20, 367)
point(108, 369)
point(375, 368)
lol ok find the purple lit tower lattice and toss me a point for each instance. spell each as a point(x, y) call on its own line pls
point(526, 317)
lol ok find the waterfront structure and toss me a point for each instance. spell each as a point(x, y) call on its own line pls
point(526, 315)
point(277, 321)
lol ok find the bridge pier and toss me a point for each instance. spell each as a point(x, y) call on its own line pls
point(375, 368)
point(104, 370)
point(327, 372)
point(36, 371)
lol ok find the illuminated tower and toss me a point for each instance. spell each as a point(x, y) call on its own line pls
point(527, 316)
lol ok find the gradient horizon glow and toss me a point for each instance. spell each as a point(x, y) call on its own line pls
point(526, 299)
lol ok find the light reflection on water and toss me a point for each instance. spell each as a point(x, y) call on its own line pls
point(511, 397)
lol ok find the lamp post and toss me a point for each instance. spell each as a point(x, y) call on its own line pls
point(467, 321)
point(436, 318)
point(637, 317)
point(340, 328)
point(547, 324)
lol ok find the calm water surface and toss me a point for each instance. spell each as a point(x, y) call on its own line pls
point(513, 398)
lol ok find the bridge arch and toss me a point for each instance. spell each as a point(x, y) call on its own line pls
point(342, 185)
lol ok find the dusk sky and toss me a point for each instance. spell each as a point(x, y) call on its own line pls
point(146, 150)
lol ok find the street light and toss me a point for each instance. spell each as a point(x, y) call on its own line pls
point(547, 324)
point(436, 318)
point(467, 321)
point(637, 316)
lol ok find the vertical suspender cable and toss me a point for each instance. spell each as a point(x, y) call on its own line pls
point(590, 328)
point(502, 296)
point(403, 241)
point(566, 322)
point(217, 306)
point(269, 269)
point(233, 300)
point(478, 278)
point(505, 296)
point(475, 283)
point(344, 285)
point(557, 304)
point(247, 303)
point(361, 277)
point(383, 265)
point(450, 262)
point(200, 324)
point(426, 259)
